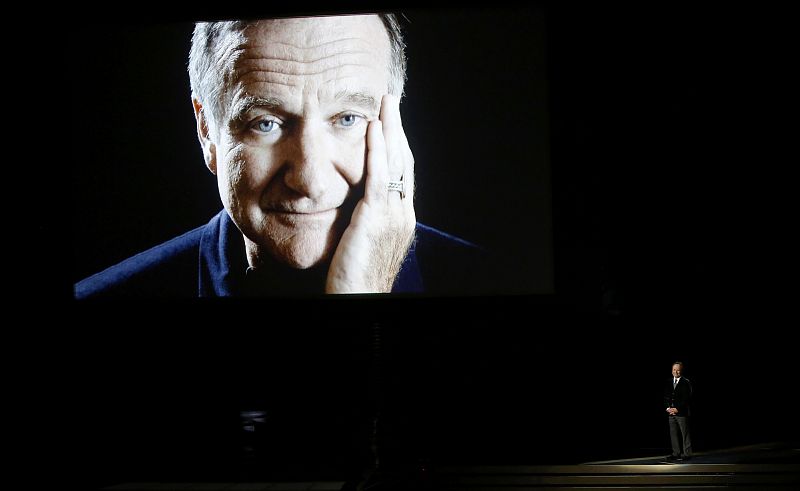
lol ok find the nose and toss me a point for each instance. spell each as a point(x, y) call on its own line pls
point(309, 168)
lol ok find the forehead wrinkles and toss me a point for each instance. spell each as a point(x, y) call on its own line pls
point(310, 47)
point(285, 59)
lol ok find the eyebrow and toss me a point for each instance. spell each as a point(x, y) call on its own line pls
point(361, 99)
point(250, 102)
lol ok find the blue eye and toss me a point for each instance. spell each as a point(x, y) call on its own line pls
point(266, 126)
point(348, 119)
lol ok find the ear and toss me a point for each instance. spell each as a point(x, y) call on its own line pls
point(208, 146)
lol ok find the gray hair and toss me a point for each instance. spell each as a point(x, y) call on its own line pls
point(211, 60)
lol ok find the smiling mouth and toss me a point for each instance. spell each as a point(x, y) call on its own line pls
point(304, 213)
point(301, 218)
point(340, 213)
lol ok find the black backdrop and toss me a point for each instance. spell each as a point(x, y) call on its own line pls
point(667, 233)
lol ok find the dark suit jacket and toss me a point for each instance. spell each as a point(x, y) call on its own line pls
point(210, 261)
point(680, 397)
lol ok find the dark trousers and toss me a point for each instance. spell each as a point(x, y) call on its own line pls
point(679, 434)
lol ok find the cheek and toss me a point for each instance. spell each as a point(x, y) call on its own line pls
point(245, 172)
point(353, 159)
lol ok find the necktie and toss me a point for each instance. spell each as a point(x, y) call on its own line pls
point(674, 383)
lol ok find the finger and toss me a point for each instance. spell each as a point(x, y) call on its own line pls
point(393, 135)
point(400, 158)
point(408, 165)
point(375, 187)
point(393, 132)
point(408, 173)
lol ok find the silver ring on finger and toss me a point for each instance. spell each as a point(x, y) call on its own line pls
point(398, 186)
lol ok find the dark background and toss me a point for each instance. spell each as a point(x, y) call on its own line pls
point(671, 222)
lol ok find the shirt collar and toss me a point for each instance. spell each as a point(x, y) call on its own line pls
point(222, 258)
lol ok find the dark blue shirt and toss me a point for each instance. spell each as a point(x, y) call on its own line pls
point(210, 261)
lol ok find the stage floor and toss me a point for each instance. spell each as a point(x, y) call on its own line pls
point(769, 466)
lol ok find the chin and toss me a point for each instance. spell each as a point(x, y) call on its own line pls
point(305, 251)
point(299, 245)
point(302, 260)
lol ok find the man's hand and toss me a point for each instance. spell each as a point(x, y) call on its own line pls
point(672, 411)
point(376, 242)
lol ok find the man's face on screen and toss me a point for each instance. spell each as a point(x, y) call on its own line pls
point(290, 152)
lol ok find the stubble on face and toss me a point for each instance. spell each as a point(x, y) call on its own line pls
point(292, 196)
